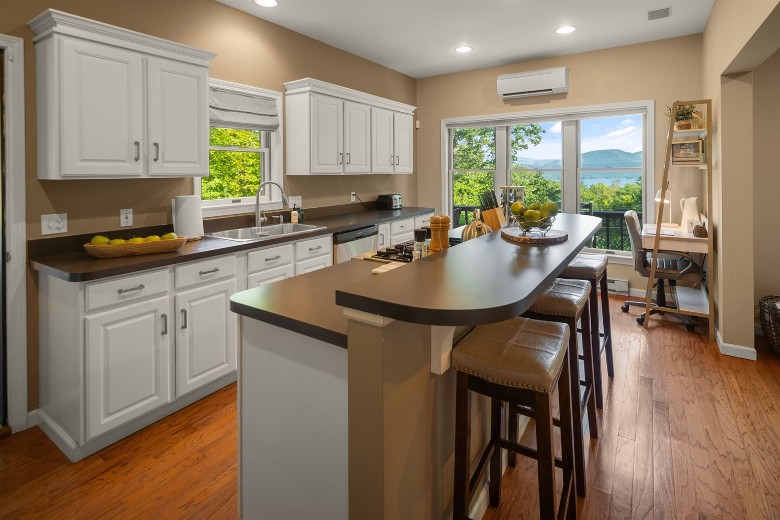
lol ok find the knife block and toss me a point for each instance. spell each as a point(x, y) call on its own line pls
point(494, 218)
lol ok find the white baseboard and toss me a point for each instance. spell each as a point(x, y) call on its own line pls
point(740, 351)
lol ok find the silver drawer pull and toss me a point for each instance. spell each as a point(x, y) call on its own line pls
point(137, 150)
point(315, 248)
point(210, 271)
point(165, 324)
point(184, 318)
point(156, 152)
point(277, 257)
point(123, 291)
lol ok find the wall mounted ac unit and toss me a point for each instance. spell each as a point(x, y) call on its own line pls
point(533, 83)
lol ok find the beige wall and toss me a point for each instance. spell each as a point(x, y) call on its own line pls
point(630, 73)
point(250, 51)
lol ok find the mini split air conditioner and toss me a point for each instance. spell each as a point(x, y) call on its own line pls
point(534, 83)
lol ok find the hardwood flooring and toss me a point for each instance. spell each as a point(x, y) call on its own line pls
point(684, 433)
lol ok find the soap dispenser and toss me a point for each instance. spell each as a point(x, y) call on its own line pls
point(294, 215)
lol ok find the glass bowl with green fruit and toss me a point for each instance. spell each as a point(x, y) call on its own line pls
point(536, 216)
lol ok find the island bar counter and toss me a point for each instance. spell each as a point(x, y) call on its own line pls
point(391, 392)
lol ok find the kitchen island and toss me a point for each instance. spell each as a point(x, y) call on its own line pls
point(367, 432)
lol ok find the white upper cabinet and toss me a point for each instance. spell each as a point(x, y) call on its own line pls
point(114, 103)
point(334, 130)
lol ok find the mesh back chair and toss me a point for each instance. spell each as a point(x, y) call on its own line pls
point(671, 266)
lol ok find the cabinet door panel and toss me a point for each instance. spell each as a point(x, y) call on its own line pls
point(205, 335)
point(313, 264)
point(382, 157)
point(357, 145)
point(178, 119)
point(128, 364)
point(327, 124)
point(102, 111)
point(270, 276)
point(403, 142)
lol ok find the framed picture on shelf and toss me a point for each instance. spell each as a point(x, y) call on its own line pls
point(688, 152)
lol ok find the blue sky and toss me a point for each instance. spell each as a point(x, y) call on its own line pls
point(604, 133)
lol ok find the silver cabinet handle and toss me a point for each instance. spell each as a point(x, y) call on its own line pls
point(315, 248)
point(277, 257)
point(381, 240)
point(156, 152)
point(131, 289)
point(210, 271)
point(184, 318)
point(348, 159)
point(137, 150)
point(392, 161)
point(341, 157)
point(397, 162)
point(164, 318)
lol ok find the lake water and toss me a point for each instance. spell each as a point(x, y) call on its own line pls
point(590, 181)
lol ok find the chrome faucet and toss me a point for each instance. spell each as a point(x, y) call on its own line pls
point(259, 219)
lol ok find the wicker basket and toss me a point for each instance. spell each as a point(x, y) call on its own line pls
point(770, 321)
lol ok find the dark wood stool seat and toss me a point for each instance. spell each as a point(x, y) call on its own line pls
point(593, 268)
point(518, 361)
point(566, 301)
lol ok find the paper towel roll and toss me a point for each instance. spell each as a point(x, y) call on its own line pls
point(187, 217)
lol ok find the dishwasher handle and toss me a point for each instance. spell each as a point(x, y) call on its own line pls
point(355, 234)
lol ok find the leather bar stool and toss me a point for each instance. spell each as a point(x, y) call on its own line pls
point(518, 361)
point(593, 268)
point(566, 301)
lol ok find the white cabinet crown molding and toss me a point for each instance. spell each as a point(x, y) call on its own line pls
point(52, 21)
point(314, 85)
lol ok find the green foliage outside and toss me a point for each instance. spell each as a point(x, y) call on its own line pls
point(232, 174)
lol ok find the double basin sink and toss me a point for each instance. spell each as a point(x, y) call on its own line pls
point(256, 234)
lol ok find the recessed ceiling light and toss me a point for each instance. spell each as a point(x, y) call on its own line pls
point(566, 29)
point(463, 49)
point(266, 3)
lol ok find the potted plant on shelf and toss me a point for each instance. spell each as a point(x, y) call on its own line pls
point(685, 117)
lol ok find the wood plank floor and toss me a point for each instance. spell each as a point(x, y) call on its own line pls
point(684, 433)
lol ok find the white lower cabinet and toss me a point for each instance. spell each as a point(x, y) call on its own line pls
point(313, 254)
point(384, 235)
point(401, 231)
point(205, 335)
point(313, 264)
point(270, 276)
point(128, 369)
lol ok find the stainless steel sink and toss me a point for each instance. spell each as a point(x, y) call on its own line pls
point(254, 234)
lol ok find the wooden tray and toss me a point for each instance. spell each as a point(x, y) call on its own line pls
point(534, 236)
point(128, 249)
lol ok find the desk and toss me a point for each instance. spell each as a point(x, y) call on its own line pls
point(678, 239)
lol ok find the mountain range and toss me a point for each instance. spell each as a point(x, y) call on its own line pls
point(594, 159)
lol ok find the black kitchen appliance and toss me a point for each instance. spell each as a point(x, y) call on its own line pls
point(389, 201)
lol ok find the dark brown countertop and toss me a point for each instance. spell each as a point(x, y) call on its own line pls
point(77, 266)
point(306, 304)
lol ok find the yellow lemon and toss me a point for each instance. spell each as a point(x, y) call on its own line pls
point(136, 240)
point(99, 240)
point(517, 208)
point(549, 209)
point(168, 236)
point(532, 215)
point(116, 241)
point(535, 206)
point(151, 238)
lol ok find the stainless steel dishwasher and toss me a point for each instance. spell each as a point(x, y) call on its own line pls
point(350, 244)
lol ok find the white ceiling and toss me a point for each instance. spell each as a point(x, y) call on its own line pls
point(418, 37)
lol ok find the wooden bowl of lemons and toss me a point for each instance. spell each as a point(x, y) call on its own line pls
point(103, 247)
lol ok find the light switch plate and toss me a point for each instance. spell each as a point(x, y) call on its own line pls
point(295, 200)
point(126, 217)
point(54, 224)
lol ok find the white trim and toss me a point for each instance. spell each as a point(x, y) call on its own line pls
point(276, 151)
point(739, 351)
point(330, 89)
point(366, 317)
point(561, 114)
point(16, 234)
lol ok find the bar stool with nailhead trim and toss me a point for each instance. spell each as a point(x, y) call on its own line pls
point(566, 301)
point(593, 268)
point(519, 361)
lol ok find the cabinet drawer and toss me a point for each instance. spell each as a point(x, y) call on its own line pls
point(126, 289)
point(205, 270)
point(271, 257)
point(403, 237)
point(401, 226)
point(314, 247)
point(423, 220)
point(313, 264)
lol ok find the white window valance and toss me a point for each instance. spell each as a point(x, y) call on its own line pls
point(242, 109)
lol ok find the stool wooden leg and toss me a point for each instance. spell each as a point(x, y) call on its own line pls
point(460, 500)
point(512, 433)
point(546, 455)
point(495, 459)
point(607, 326)
point(567, 440)
point(595, 342)
point(576, 409)
point(588, 361)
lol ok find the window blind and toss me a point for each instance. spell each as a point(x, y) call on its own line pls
point(236, 110)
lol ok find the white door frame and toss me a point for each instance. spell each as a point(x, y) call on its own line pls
point(15, 232)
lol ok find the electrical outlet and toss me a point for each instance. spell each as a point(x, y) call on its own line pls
point(54, 224)
point(352, 196)
point(126, 217)
point(295, 200)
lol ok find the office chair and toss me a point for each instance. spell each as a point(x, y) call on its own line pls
point(671, 266)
